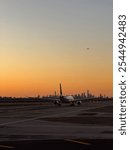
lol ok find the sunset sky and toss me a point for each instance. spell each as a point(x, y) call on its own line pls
point(44, 43)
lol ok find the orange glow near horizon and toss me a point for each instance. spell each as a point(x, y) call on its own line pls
point(45, 84)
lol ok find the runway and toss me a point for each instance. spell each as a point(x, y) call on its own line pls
point(45, 121)
point(100, 144)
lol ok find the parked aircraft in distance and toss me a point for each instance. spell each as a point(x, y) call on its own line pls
point(67, 99)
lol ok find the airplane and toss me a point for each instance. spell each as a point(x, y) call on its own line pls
point(67, 99)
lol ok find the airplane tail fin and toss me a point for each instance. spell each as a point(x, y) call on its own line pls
point(60, 90)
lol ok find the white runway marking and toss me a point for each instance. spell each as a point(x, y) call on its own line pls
point(79, 142)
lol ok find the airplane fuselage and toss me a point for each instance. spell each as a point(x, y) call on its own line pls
point(67, 99)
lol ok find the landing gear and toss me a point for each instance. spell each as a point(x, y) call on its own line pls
point(72, 104)
point(57, 103)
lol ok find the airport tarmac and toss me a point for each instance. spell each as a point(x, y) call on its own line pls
point(45, 121)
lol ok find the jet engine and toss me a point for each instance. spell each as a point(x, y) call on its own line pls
point(79, 102)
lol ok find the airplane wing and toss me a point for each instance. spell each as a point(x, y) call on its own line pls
point(54, 100)
point(86, 98)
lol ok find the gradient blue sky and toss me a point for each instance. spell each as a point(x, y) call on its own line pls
point(43, 42)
